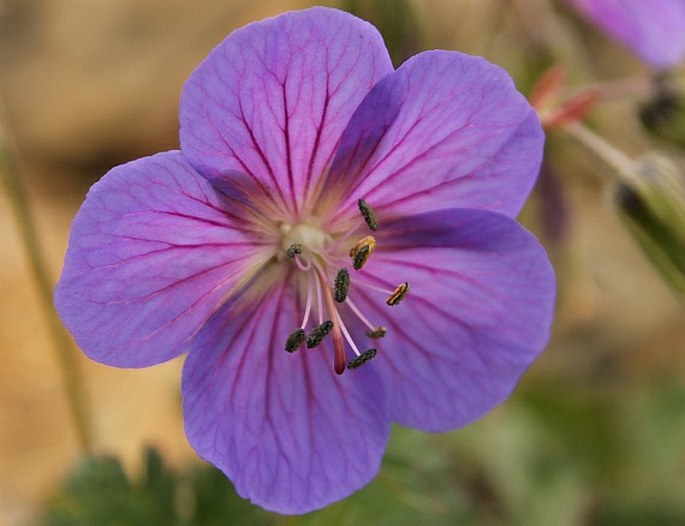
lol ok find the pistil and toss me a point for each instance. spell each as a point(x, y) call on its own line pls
point(338, 344)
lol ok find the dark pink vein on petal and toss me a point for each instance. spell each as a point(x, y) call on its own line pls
point(317, 139)
point(288, 153)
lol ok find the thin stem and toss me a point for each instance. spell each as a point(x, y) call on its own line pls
point(308, 305)
point(642, 86)
point(338, 344)
point(618, 162)
point(61, 342)
point(359, 314)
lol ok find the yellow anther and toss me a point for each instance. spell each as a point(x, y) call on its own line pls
point(369, 241)
point(361, 251)
point(398, 294)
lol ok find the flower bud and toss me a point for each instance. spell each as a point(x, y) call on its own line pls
point(651, 203)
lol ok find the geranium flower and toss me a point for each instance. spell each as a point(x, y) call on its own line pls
point(653, 29)
point(323, 208)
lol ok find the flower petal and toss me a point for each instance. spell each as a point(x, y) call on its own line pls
point(445, 130)
point(291, 434)
point(477, 314)
point(655, 30)
point(272, 100)
point(152, 251)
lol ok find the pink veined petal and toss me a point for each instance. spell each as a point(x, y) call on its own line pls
point(271, 101)
point(291, 434)
point(444, 130)
point(478, 312)
point(654, 29)
point(152, 252)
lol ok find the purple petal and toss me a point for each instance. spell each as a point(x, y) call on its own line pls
point(445, 130)
point(653, 29)
point(291, 434)
point(477, 314)
point(152, 252)
point(272, 100)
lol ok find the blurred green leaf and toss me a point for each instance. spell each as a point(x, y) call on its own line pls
point(210, 500)
point(98, 492)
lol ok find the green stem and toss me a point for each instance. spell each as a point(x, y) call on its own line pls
point(619, 165)
point(62, 344)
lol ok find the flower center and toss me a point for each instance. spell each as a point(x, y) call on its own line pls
point(306, 234)
point(326, 286)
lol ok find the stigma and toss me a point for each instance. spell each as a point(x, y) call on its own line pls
point(326, 290)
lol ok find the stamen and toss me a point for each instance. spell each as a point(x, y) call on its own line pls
point(319, 300)
point(338, 344)
point(302, 264)
point(318, 334)
point(378, 332)
point(342, 285)
point(361, 251)
point(360, 315)
point(308, 302)
point(348, 337)
point(368, 214)
point(361, 257)
point(398, 294)
point(369, 241)
point(361, 359)
point(359, 281)
point(294, 250)
point(295, 339)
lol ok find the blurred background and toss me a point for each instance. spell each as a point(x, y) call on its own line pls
point(595, 434)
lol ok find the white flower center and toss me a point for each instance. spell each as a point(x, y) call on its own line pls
point(306, 234)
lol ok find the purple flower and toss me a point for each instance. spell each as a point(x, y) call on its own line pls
point(304, 153)
point(653, 29)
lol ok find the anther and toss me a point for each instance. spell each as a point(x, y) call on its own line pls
point(294, 250)
point(378, 332)
point(369, 241)
point(361, 257)
point(318, 334)
point(342, 285)
point(295, 339)
point(368, 214)
point(398, 294)
point(361, 251)
point(361, 359)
